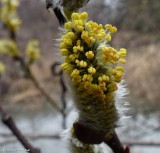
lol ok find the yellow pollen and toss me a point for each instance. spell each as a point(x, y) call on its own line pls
point(75, 16)
point(82, 63)
point(89, 54)
point(75, 73)
point(84, 15)
point(91, 70)
point(68, 25)
point(87, 77)
point(123, 61)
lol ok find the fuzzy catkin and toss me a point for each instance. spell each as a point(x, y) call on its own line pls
point(92, 68)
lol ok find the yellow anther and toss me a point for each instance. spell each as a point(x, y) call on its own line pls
point(80, 48)
point(72, 57)
point(120, 68)
point(109, 96)
point(113, 30)
point(91, 70)
point(78, 23)
point(68, 42)
point(75, 16)
point(108, 38)
point(87, 85)
point(84, 15)
point(92, 39)
point(63, 45)
point(76, 79)
point(66, 66)
point(68, 25)
point(103, 86)
point(83, 63)
point(80, 28)
point(100, 26)
point(112, 87)
point(122, 52)
point(78, 42)
point(100, 36)
point(103, 78)
point(108, 26)
point(121, 60)
point(89, 54)
point(87, 77)
point(118, 75)
point(77, 62)
point(64, 52)
point(75, 73)
point(75, 50)
point(71, 35)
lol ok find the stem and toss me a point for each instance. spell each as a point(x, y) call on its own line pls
point(64, 89)
point(114, 143)
point(59, 16)
point(63, 100)
point(9, 122)
point(43, 91)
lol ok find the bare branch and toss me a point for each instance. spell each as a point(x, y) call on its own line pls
point(43, 91)
point(9, 122)
point(32, 136)
point(142, 143)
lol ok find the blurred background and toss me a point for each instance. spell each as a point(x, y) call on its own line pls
point(138, 23)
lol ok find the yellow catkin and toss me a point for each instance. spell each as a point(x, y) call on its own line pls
point(92, 66)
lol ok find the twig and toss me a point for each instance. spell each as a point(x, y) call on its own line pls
point(63, 92)
point(34, 135)
point(28, 73)
point(114, 143)
point(9, 122)
point(142, 143)
point(31, 136)
point(59, 16)
point(63, 100)
point(43, 91)
point(57, 11)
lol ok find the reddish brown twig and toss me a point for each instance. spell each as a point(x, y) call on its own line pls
point(9, 122)
point(91, 135)
point(114, 143)
point(63, 90)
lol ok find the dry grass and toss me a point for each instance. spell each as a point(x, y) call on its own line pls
point(143, 75)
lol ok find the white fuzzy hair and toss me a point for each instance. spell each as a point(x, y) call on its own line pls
point(122, 105)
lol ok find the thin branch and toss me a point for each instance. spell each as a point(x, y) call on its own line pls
point(35, 136)
point(114, 143)
point(59, 16)
point(32, 136)
point(28, 73)
point(9, 122)
point(142, 143)
point(43, 91)
point(64, 89)
point(63, 92)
